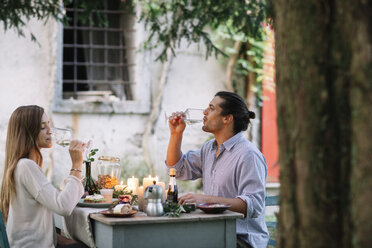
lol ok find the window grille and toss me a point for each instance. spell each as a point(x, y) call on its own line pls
point(95, 58)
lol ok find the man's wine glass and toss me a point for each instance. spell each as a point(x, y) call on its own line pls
point(190, 116)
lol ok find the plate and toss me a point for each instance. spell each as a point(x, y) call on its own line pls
point(110, 213)
point(213, 208)
point(94, 205)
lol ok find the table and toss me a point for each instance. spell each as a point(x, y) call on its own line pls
point(195, 229)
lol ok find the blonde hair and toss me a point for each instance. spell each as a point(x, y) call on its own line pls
point(23, 130)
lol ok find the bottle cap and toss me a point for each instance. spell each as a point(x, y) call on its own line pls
point(172, 172)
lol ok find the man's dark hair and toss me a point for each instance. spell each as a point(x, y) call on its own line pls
point(234, 105)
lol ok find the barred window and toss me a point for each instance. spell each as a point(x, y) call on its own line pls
point(95, 58)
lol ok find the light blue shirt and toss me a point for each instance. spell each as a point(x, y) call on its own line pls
point(240, 170)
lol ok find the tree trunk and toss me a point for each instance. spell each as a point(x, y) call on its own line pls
point(359, 29)
point(324, 95)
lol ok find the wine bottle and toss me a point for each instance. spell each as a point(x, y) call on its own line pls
point(89, 186)
point(172, 193)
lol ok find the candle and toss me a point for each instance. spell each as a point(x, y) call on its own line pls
point(147, 181)
point(133, 185)
point(119, 186)
point(140, 198)
point(162, 184)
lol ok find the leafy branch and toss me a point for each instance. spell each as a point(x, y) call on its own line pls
point(173, 209)
point(14, 14)
point(90, 155)
point(170, 22)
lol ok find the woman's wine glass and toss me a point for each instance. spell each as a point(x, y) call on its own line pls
point(62, 136)
point(190, 116)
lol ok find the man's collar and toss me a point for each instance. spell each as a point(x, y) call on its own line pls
point(228, 144)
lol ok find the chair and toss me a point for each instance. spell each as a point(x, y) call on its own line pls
point(4, 243)
point(272, 201)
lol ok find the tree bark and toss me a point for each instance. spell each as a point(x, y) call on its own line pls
point(324, 95)
point(359, 29)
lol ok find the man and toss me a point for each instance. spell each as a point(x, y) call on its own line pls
point(233, 170)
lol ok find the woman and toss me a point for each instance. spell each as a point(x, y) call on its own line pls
point(28, 200)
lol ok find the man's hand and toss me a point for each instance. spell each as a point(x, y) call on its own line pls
point(193, 198)
point(176, 123)
point(237, 204)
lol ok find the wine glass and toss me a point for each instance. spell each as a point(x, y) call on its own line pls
point(190, 116)
point(62, 136)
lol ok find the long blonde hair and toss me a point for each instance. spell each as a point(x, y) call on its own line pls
point(23, 130)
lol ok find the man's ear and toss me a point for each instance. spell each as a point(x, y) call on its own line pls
point(228, 119)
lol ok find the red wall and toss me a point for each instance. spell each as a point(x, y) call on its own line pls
point(269, 138)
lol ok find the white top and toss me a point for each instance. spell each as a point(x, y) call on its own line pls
point(30, 220)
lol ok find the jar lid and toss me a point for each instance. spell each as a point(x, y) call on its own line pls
point(109, 158)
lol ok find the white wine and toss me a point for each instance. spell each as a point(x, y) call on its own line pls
point(191, 121)
point(63, 143)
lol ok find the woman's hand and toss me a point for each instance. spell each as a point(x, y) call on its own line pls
point(76, 153)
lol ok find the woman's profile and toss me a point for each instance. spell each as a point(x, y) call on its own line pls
point(28, 199)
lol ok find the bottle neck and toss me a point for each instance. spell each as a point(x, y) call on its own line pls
point(172, 182)
point(87, 169)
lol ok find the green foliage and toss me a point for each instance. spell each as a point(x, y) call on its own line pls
point(90, 155)
point(170, 22)
point(173, 209)
point(14, 14)
point(250, 55)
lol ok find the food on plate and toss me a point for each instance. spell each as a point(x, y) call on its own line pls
point(122, 209)
point(124, 199)
point(96, 198)
point(106, 181)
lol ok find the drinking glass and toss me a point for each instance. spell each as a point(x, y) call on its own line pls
point(62, 136)
point(191, 116)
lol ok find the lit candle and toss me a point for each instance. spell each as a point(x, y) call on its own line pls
point(119, 186)
point(133, 185)
point(147, 181)
point(162, 184)
point(140, 198)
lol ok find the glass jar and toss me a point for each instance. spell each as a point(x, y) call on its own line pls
point(109, 170)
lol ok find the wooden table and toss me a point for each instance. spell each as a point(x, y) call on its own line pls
point(195, 229)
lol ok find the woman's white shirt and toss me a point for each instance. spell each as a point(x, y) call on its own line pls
point(30, 219)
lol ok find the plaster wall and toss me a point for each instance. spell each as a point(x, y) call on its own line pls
point(28, 75)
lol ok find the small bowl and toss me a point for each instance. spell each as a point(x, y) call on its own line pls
point(107, 194)
point(189, 207)
point(213, 208)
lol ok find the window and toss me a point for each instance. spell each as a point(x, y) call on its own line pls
point(94, 57)
point(98, 68)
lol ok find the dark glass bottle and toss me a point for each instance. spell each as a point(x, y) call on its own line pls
point(89, 185)
point(172, 193)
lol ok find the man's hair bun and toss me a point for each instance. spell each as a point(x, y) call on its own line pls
point(251, 114)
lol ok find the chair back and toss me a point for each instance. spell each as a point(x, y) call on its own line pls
point(272, 201)
point(4, 242)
